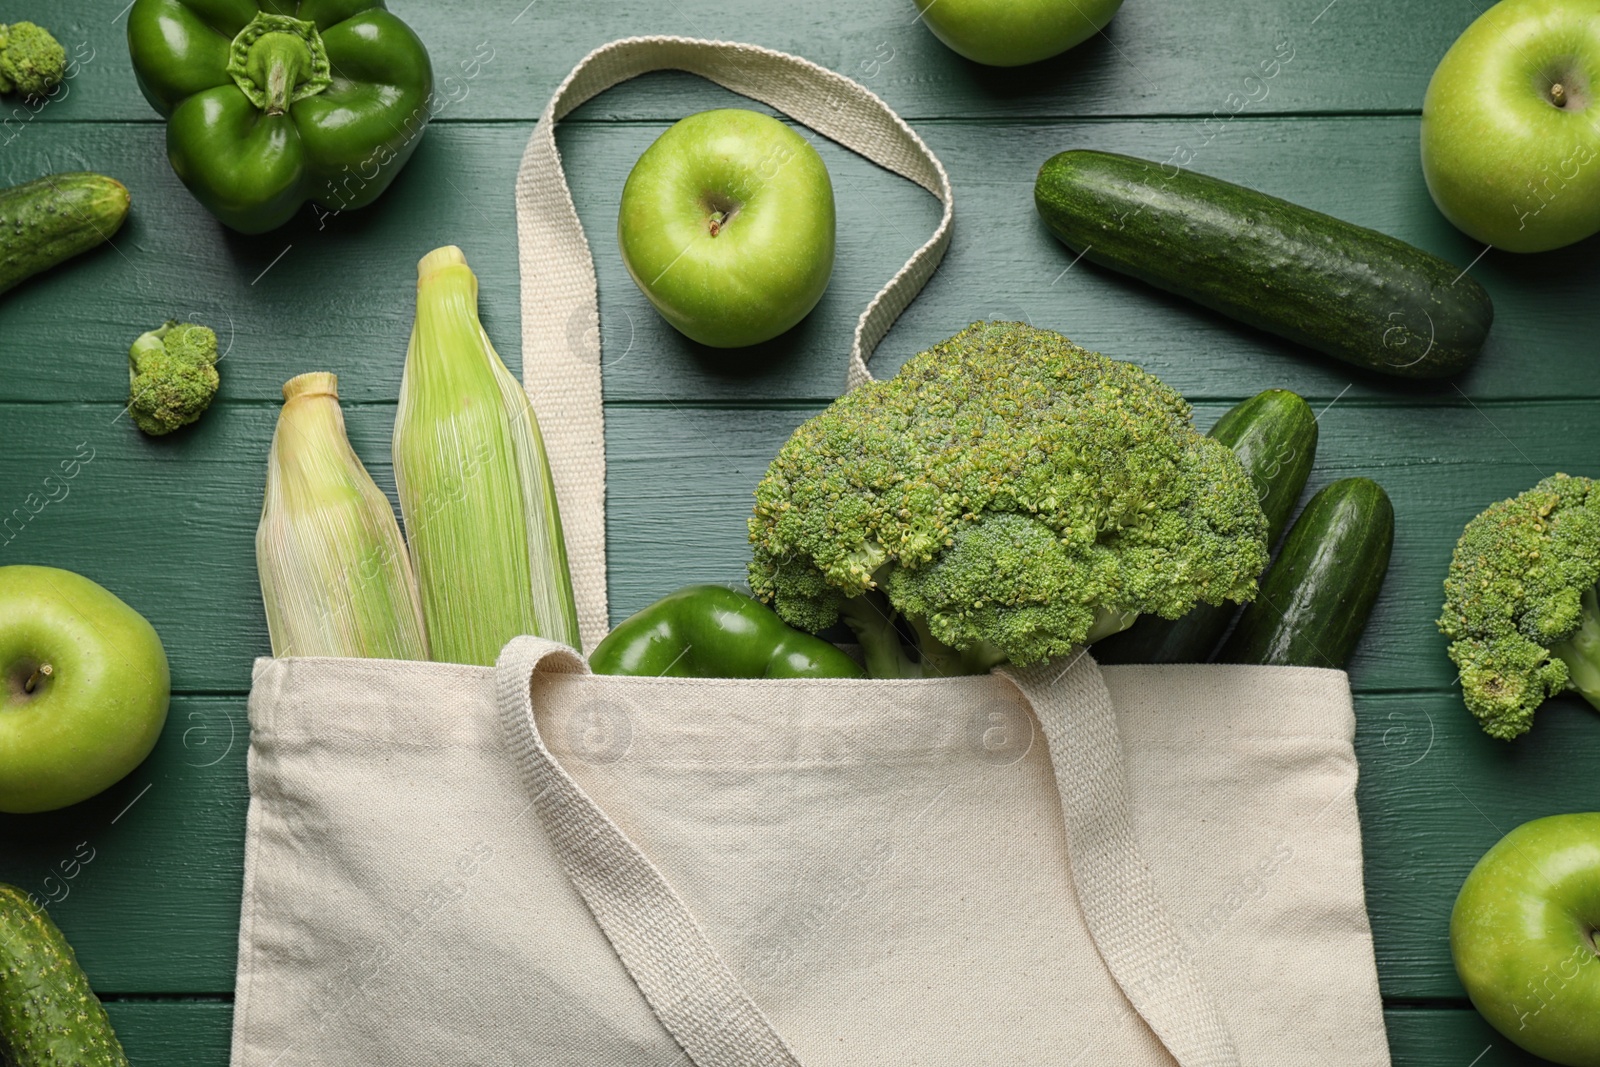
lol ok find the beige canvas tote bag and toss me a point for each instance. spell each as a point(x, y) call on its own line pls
point(451, 866)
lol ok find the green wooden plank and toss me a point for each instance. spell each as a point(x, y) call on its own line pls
point(1449, 1037)
point(1346, 57)
point(197, 1033)
point(1435, 793)
point(340, 296)
point(339, 293)
point(155, 907)
point(1004, 263)
point(144, 879)
point(169, 523)
point(680, 482)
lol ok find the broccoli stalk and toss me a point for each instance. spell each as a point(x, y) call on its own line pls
point(872, 620)
point(31, 61)
point(1581, 651)
point(939, 659)
point(172, 376)
point(1008, 494)
point(1521, 607)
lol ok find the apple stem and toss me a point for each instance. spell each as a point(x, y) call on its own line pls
point(43, 671)
point(1558, 95)
point(717, 219)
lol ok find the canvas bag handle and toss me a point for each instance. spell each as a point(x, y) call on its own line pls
point(560, 304)
point(683, 978)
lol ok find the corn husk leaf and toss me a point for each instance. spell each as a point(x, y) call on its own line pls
point(474, 485)
point(335, 576)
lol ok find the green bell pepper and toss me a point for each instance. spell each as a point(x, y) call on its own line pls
point(708, 631)
point(273, 103)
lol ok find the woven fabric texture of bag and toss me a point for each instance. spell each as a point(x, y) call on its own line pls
point(453, 865)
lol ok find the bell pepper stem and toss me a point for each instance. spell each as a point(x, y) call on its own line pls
point(280, 84)
point(283, 59)
point(277, 60)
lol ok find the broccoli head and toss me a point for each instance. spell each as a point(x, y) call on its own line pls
point(31, 61)
point(1012, 496)
point(1520, 607)
point(172, 376)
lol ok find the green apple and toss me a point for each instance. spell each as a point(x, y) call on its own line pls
point(1511, 126)
point(727, 226)
point(1009, 33)
point(83, 688)
point(1523, 937)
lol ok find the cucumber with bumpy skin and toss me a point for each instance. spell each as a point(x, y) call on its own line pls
point(1315, 599)
point(1342, 289)
point(49, 1017)
point(51, 219)
point(1274, 434)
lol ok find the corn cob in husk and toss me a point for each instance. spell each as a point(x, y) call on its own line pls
point(475, 489)
point(335, 576)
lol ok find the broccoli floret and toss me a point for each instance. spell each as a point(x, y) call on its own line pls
point(1520, 603)
point(172, 376)
point(1013, 496)
point(31, 61)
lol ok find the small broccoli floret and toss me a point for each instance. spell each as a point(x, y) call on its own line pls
point(1013, 496)
point(172, 376)
point(31, 61)
point(1520, 603)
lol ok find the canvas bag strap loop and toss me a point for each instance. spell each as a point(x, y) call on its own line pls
point(560, 308)
point(1136, 936)
point(645, 920)
point(684, 979)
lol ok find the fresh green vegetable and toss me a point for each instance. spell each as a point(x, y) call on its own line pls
point(1013, 496)
point(474, 484)
point(51, 219)
point(172, 376)
point(1274, 434)
point(1353, 293)
point(1520, 607)
point(1316, 597)
point(31, 61)
point(266, 111)
point(708, 631)
point(49, 1017)
point(336, 579)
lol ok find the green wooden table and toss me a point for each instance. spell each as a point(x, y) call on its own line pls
point(145, 878)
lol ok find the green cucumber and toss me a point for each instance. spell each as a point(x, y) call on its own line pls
point(1315, 599)
point(48, 1015)
point(1274, 434)
point(1350, 292)
point(50, 220)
